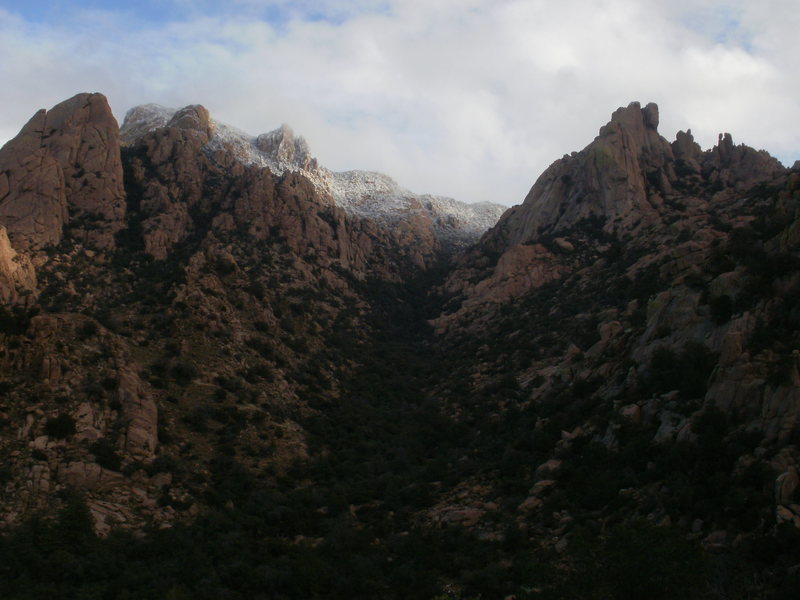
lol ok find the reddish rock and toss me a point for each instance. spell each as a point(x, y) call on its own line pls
point(17, 275)
point(64, 167)
point(33, 205)
point(610, 179)
point(739, 166)
point(88, 476)
point(193, 118)
point(786, 485)
point(140, 413)
point(284, 147)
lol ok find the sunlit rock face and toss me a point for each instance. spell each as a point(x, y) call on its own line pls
point(64, 168)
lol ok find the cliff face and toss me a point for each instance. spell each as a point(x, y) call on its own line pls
point(619, 177)
point(63, 169)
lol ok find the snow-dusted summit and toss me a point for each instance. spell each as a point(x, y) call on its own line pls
point(363, 194)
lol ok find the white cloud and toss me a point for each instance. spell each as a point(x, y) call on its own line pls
point(469, 98)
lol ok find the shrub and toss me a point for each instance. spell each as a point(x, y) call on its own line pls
point(687, 372)
point(87, 330)
point(638, 561)
point(184, 372)
point(60, 427)
point(164, 463)
point(15, 322)
point(105, 454)
point(721, 308)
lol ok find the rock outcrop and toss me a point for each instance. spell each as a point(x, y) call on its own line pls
point(623, 178)
point(284, 147)
point(33, 204)
point(361, 194)
point(17, 275)
point(193, 118)
point(628, 182)
point(62, 169)
point(618, 178)
point(141, 416)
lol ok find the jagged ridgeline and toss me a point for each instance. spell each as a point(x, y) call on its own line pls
point(227, 371)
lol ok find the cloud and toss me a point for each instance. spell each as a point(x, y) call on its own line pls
point(468, 98)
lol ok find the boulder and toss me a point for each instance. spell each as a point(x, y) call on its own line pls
point(785, 486)
point(140, 413)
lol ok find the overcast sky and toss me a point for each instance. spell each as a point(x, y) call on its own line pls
point(466, 98)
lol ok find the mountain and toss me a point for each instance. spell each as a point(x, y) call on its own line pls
point(226, 371)
point(362, 194)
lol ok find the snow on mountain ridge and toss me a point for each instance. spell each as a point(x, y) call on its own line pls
point(364, 194)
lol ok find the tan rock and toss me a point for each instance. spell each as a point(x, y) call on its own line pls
point(159, 480)
point(716, 539)
point(64, 166)
point(564, 244)
point(607, 178)
point(530, 504)
point(284, 147)
point(467, 517)
point(739, 166)
point(88, 476)
point(632, 412)
point(784, 514)
point(33, 207)
point(40, 442)
point(193, 118)
point(785, 486)
point(549, 467)
point(561, 545)
point(38, 481)
point(107, 515)
point(88, 423)
point(541, 486)
point(140, 413)
point(17, 275)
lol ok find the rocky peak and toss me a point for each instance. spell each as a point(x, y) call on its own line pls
point(629, 183)
point(361, 194)
point(623, 178)
point(634, 119)
point(738, 166)
point(685, 148)
point(63, 168)
point(632, 134)
point(609, 179)
point(142, 119)
point(283, 146)
point(194, 118)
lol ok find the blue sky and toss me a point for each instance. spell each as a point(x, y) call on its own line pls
point(467, 98)
point(143, 13)
point(56, 12)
